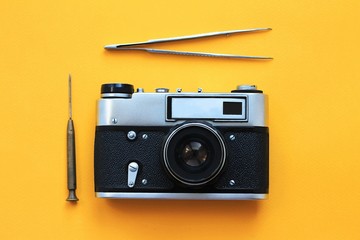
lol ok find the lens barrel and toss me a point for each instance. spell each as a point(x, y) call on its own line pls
point(194, 154)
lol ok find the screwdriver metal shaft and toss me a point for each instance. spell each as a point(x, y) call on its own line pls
point(71, 156)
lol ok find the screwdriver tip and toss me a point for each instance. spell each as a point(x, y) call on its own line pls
point(70, 98)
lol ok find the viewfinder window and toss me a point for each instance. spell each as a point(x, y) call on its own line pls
point(232, 108)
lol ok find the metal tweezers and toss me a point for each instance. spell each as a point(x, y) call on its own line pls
point(141, 46)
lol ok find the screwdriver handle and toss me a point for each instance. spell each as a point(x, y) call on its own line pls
point(71, 161)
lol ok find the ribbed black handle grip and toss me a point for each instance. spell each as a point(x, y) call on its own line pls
point(71, 161)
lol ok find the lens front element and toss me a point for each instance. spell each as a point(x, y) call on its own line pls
point(194, 154)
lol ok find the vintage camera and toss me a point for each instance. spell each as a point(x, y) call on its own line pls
point(181, 145)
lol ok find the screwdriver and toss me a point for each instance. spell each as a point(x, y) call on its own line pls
point(71, 158)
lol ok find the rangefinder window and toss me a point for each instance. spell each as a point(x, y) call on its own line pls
point(232, 108)
point(210, 108)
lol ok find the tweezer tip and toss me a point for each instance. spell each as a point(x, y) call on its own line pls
point(259, 57)
point(262, 29)
point(110, 47)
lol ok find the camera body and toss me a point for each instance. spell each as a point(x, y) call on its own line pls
point(181, 145)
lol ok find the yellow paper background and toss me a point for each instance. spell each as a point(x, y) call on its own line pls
point(313, 86)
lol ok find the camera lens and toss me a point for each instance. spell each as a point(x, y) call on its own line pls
point(194, 154)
